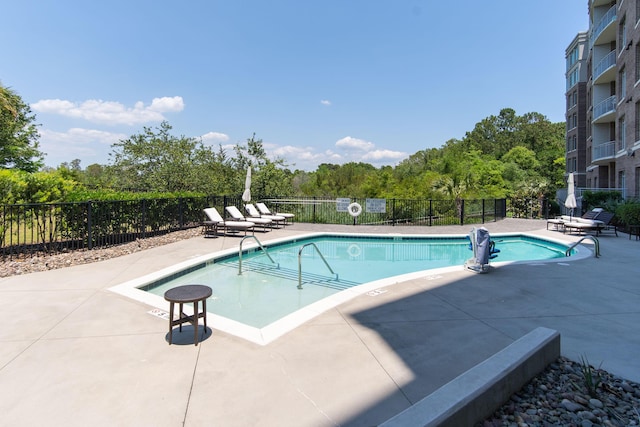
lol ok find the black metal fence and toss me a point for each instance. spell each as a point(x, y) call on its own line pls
point(32, 228)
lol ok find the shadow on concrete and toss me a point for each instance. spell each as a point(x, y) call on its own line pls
point(186, 337)
point(435, 336)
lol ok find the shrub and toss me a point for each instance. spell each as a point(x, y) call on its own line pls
point(608, 200)
point(629, 212)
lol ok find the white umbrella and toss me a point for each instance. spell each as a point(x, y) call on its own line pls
point(570, 202)
point(246, 196)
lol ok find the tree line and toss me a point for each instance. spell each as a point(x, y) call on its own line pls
point(504, 156)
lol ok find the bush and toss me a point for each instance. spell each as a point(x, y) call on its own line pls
point(608, 200)
point(629, 212)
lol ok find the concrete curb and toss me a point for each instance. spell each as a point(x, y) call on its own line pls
point(477, 393)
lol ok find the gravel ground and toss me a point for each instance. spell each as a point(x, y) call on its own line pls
point(44, 262)
point(565, 394)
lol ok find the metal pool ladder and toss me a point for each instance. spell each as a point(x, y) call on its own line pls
point(300, 263)
point(261, 247)
point(596, 245)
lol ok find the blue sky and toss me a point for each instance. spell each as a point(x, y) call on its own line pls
point(328, 81)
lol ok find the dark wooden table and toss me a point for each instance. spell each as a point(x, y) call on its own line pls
point(183, 295)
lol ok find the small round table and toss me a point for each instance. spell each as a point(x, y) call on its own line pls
point(187, 294)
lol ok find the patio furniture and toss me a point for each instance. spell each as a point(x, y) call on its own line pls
point(253, 214)
point(265, 211)
point(216, 221)
point(600, 223)
point(239, 218)
point(183, 295)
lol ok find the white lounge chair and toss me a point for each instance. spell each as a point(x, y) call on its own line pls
point(264, 210)
point(253, 214)
point(216, 221)
point(600, 222)
point(237, 216)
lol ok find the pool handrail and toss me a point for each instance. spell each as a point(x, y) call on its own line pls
point(596, 245)
point(261, 247)
point(300, 262)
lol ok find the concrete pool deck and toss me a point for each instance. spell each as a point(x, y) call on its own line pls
point(75, 353)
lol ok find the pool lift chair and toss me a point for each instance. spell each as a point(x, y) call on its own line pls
point(483, 250)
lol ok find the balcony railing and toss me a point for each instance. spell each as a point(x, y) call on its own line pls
point(607, 19)
point(606, 63)
point(604, 107)
point(602, 151)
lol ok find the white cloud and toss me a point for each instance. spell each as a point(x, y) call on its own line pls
point(325, 102)
point(78, 136)
point(215, 137)
point(349, 143)
point(305, 154)
point(88, 145)
point(384, 155)
point(110, 112)
point(167, 104)
point(350, 150)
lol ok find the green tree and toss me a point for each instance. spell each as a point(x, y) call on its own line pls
point(331, 180)
point(155, 160)
point(18, 186)
point(18, 134)
point(268, 177)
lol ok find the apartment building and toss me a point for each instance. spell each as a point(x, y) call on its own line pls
point(603, 134)
point(576, 95)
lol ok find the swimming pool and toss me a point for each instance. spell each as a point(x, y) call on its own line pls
point(265, 300)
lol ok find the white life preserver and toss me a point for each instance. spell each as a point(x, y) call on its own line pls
point(355, 209)
point(354, 251)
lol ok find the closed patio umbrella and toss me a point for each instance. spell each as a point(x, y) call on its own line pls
point(246, 196)
point(570, 202)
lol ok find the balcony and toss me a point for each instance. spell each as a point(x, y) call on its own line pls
point(603, 153)
point(605, 31)
point(597, 3)
point(605, 111)
point(605, 71)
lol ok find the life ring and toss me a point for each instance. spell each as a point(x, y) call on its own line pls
point(354, 251)
point(355, 209)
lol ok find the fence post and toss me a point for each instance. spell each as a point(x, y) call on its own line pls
point(393, 212)
point(89, 227)
point(143, 207)
point(462, 212)
point(483, 211)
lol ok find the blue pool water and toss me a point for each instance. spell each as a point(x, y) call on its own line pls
point(266, 291)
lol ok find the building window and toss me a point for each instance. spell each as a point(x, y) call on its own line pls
point(622, 33)
point(572, 100)
point(623, 134)
point(573, 57)
point(573, 78)
point(622, 182)
point(622, 77)
point(638, 60)
point(637, 123)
